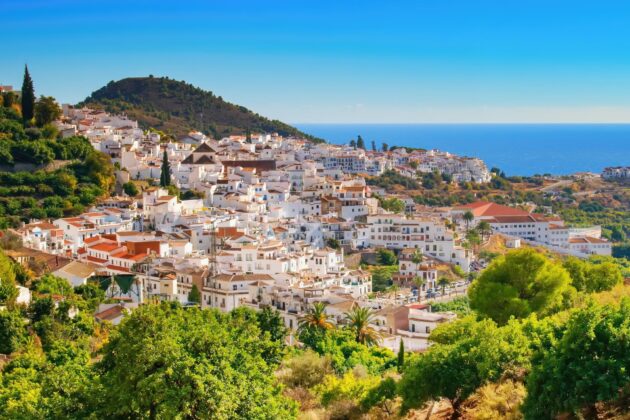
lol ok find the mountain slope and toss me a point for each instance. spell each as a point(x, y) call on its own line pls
point(178, 107)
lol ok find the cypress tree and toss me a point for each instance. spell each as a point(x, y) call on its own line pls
point(360, 143)
point(401, 356)
point(165, 176)
point(28, 97)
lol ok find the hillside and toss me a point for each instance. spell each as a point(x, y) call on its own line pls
point(177, 107)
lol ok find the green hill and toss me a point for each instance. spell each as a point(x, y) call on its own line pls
point(178, 107)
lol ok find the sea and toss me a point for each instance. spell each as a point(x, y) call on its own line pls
point(517, 149)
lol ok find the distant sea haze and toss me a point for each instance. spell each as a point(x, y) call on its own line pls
point(517, 149)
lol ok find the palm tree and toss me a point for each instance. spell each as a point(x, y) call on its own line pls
point(417, 257)
point(468, 217)
point(443, 282)
point(419, 282)
point(359, 320)
point(484, 229)
point(316, 318)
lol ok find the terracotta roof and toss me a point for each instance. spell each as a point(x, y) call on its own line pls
point(486, 209)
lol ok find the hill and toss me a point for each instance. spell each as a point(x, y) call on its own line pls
point(178, 107)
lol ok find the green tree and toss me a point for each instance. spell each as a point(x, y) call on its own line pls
point(617, 234)
point(333, 243)
point(373, 146)
point(8, 291)
point(358, 321)
point(47, 110)
point(360, 143)
point(520, 283)
point(195, 295)
point(12, 331)
point(305, 370)
point(269, 320)
point(468, 218)
point(99, 169)
point(386, 257)
point(589, 364)
point(592, 277)
point(353, 143)
point(419, 282)
point(393, 204)
point(417, 257)
point(443, 282)
point(130, 189)
point(401, 356)
point(466, 354)
point(28, 97)
point(385, 147)
point(50, 284)
point(9, 98)
point(484, 229)
point(165, 174)
point(165, 361)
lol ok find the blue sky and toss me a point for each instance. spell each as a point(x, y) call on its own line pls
point(340, 61)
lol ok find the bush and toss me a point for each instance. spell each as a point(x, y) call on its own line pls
point(305, 370)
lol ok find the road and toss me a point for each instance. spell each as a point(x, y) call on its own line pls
point(450, 295)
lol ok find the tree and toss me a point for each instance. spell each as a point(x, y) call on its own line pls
point(28, 97)
point(401, 356)
point(386, 257)
point(353, 143)
point(46, 111)
point(9, 98)
point(270, 321)
point(8, 291)
point(617, 234)
point(12, 331)
point(99, 169)
point(466, 354)
point(305, 370)
point(360, 143)
point(195, 295)
point(333, 243)
point(130, 189)
point(315, 319)
point(520, 283)
point(165, 175)
point(484, 229)
point(165, 361)
point(588, 364)
point(472, 237)
point(443, 282)
point(359, 320)
point(385, 147)
point(417, 257)
point(468, 218)
point(393, 204)
point(50, 284)
point(592, 277)
point(419, 282)
point(373, 146)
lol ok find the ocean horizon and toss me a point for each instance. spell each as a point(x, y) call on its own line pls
point(517, 149)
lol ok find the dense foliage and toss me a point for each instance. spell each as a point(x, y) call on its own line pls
point(521, 283)
point(391, 178)
point(40, 191)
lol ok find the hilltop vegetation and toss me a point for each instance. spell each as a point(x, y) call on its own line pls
point(177, 107)
point(43, 176)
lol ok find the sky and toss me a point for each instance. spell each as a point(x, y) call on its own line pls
point(436, 61)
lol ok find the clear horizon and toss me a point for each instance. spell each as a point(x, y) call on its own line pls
point(328, 62)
